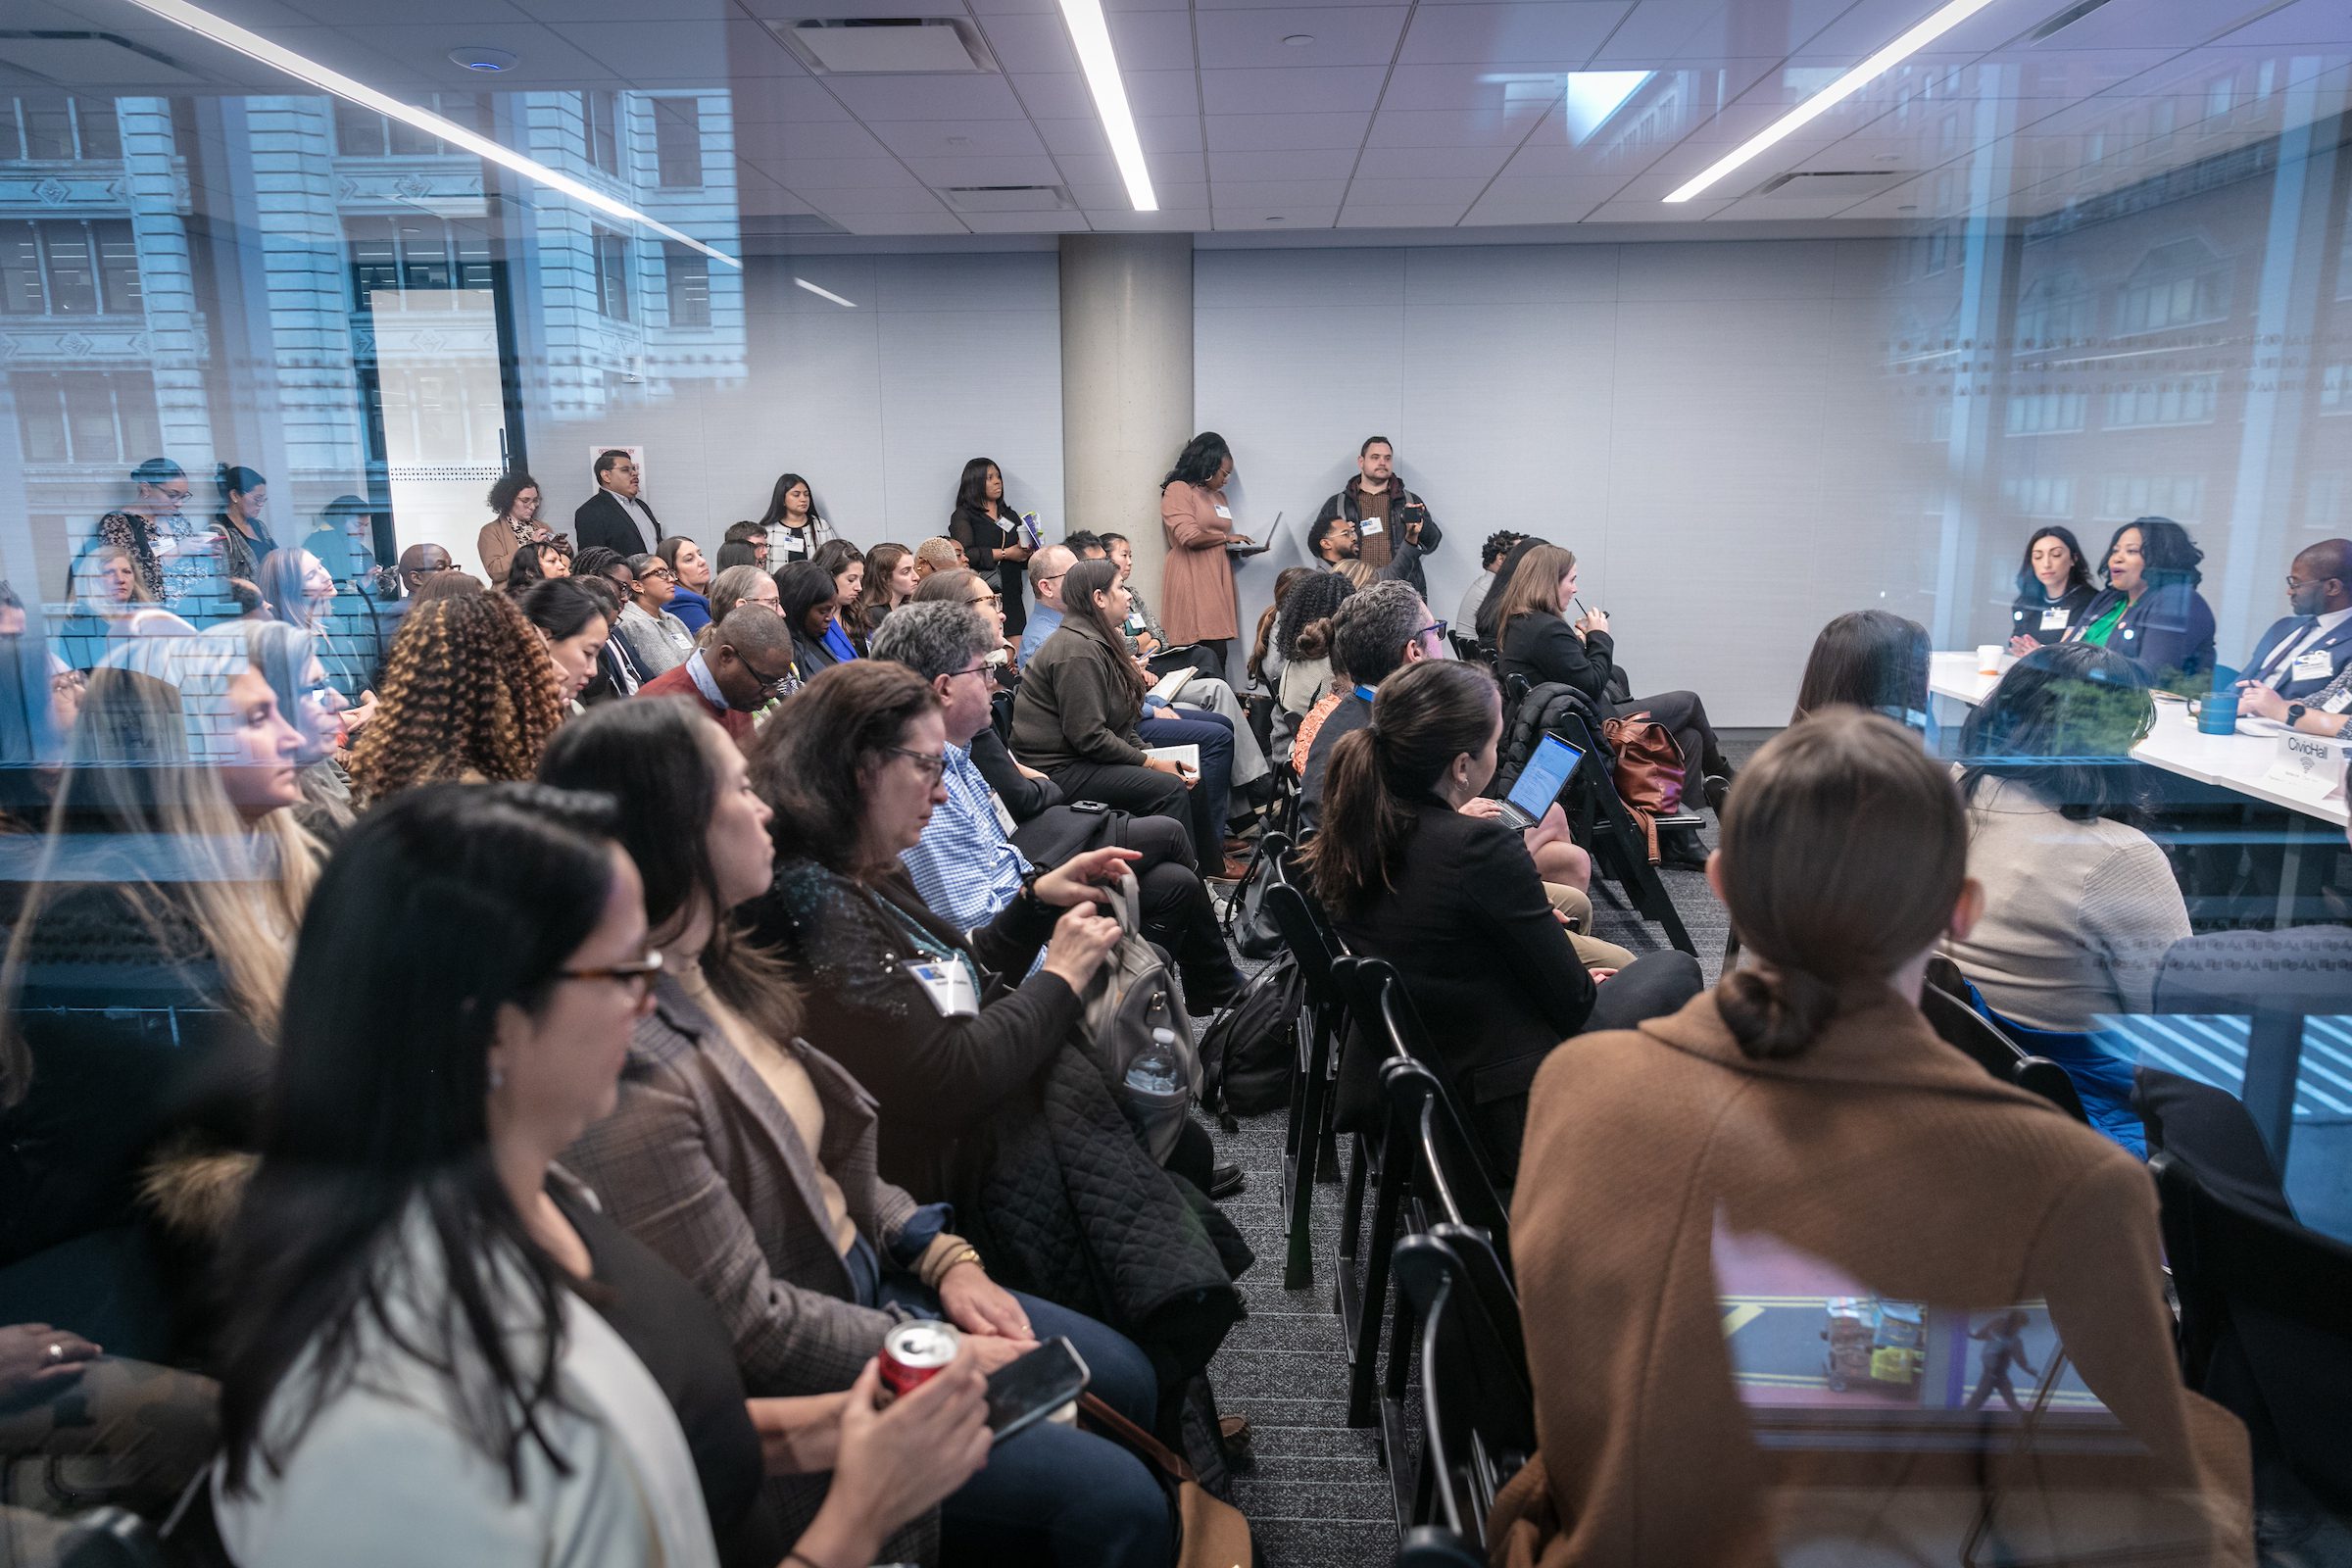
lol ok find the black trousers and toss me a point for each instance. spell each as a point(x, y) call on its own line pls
point(1177, 912)
point(1686, 720)
point(1139, 791)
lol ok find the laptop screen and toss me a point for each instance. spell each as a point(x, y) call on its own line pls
point(1545, 774)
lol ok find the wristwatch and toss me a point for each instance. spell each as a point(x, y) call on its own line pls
point(2296, 712)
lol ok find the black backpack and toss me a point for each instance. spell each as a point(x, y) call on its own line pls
point(1246, 923)
point(1250, 1049)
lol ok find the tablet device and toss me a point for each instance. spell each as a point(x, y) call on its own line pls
point(1540, 784)
point(1022, 1393)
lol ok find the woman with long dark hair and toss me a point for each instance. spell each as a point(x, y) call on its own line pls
point(1488, 624)
point(470, 693)
point(443, 1350)
point(691, 601)
point(807, 599)
point(1302, 642)
point(1700, 1157)
point(2053, 589)
point(2150, 611)
point(1454, 901)
point(794, 527)
point(1197, 578)
point(991, 531)
point(1869, 659)
point(574, 622)
point(891, 576)
point(244, 537)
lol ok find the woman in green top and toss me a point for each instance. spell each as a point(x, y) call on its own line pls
point(2150, 611)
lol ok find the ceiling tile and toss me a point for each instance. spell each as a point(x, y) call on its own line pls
point(1500, 35)
point(1622, 211)
point(681, 48)
point(927, 97)
point(1453, 128)
point(810, 176)
point(829, 9)
point(960, 139)
point(1152, 40)
point(802, 102)
point(937, 172)
point(1112, 194)
point(1302, 163)
point(765, 140)
point(542, 58)
point(1430, 162)
point(1151, 94)
point(1186, 220)
point(1065, 222)
point(570, 10)
point(1302, 91)
point(1276, 195)
point(1341, 35)
point(1230, 134)
point(1016, 7)
point(1030, 41)
point(936, 221)
point(1355, 215)
point(1165, 168)
point(1464, 85)
point(1458, 189)
point(1275, 220)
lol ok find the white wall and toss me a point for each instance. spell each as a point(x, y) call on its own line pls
point(1705, 424)
point(944, 357)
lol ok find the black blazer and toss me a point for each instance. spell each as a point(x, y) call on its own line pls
point(2025, 612)
point(1543, 648)
point(1488, 965)
point(602, 521)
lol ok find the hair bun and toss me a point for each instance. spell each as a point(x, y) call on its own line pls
point(1775, 1014)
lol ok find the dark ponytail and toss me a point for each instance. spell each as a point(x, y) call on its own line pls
point(1423, 718)
point(1844, 851)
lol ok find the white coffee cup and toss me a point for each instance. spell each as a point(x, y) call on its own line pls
point(1988, 658)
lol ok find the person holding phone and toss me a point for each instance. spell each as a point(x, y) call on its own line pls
point(1392, 525)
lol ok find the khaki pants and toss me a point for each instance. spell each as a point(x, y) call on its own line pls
point(1578, 907)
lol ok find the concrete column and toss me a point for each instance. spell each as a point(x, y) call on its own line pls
point(1126, 383)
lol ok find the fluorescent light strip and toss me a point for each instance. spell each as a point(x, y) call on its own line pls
point(1837, 92)
point(1091, 37)
point(254, 47)
point(826, 294)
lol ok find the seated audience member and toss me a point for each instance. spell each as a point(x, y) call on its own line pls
point(2081, 906)
point(470, 693)
point(658, 641)
point(1264, 667)
point(574, 622)
point(1375, 632)
point(109, 604)
point(141, 990)
point(735, 552)
point(1145, 638)
point(2053, 588)
point(751, 536)
point(1497, 545)
point(1391, 526)
point(1204, 691)
point(312, 705)
point(298, 589)
point(807, 600)
point(513, 522)
point(891, 577)
point(690, 601)
point(987, 1092)
point(1868, 659)
point(1086, 545)
point(2150, 611)
point(1451, 899)
point(1659, 1159)
point(966, 868)
point(98, 1430)
point(2308, 646)
point(616, 672)
point(1302, 638)
point(847, 567)
point(1047, 566)
point(1078, 713)
point(1486, 626)
point(534, 564)
point(971, 590)
point(367, 1417)
point(738, 585)
point(939, 554)
point(1359, 573)
point(1332, 540)
point(1540, 645)
point(728, 1124)
point(746, 666)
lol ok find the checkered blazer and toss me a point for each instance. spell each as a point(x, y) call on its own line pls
point(700, 1162)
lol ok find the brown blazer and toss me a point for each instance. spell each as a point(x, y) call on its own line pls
point(1894, 1158)
point(498, 547)
point(1196, 582)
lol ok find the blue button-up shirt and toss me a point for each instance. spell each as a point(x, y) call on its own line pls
point(965, 867)
point(1044, 622)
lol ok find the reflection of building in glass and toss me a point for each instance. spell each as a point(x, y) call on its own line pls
point(267, 281)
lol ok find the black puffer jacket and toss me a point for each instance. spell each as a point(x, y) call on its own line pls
point(1541, 710)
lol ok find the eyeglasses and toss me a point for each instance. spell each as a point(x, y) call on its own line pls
point(768, 682)
point(1056, 577)
point(977, 669)
point(637, 976)
point(428, 569)
point(1437, 626)
point(932, 763)
point(651, 572)
point(989, 598)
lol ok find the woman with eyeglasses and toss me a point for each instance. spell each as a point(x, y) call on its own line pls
point(737, 585)
point(658, 642)
point(179, 558)
point(470, 694)
point(967, 587)
point(513, 522)
point(443, 1350)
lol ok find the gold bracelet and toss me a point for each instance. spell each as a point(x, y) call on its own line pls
point(969, 1255)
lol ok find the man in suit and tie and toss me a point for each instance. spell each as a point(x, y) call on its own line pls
point(617, 515)
point(2310, 646)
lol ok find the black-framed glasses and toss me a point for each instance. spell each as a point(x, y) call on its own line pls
point(980, 668)
point(1437, 626)
point(656, 571)
point(635, 975)
point(768, 682)
point(989, 598)
point(935, 764)
point(1056, 577)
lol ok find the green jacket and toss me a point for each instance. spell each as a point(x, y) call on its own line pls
point(1077, 703)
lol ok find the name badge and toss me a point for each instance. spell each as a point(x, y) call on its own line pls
point(2338, 703)
point(1226, 513)
point(2053, 620)
point(1135, 622)
point(2314, 665)
point(947, 986)
point(1369, 526)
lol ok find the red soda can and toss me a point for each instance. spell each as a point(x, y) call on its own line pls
point(914, 1354)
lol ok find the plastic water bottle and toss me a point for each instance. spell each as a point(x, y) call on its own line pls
point(1155, 1069)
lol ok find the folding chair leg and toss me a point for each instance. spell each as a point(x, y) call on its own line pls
point(1363, 1350)
point(1395, 1438)
point(1308, 1105)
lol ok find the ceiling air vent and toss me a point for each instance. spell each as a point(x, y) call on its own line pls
point(888, 45)
point(1007, 198)
point(1845, 184)
point(90, 59)
point(2064, 20)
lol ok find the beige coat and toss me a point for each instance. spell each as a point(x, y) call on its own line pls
point(1197, 602)
point(498, 547)
point(1898, 1162)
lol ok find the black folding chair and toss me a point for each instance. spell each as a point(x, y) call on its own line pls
point(1619, 846)
point(1453, 1181)
point(1315, 950)
point(1435, 1546)
point(1963, 1027)
point(1478, 1400)
point(2266, 1324)
point(1380, 1168)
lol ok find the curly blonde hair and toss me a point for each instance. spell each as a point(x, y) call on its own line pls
point(468, 693)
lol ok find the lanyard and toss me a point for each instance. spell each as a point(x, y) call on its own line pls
point(1365, 692)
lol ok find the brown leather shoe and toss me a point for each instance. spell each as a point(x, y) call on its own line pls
point(1233, 870)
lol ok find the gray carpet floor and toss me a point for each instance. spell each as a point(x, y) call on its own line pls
point(1314, 1491)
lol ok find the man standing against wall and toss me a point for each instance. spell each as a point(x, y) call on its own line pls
point(617, 515)
point(1392, 525)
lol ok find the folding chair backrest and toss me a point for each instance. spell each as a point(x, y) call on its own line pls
point(1477, 1404)
point(1450, 1170)
point(2282, 1296)
point(1306, 936)
point(1962, 1026)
